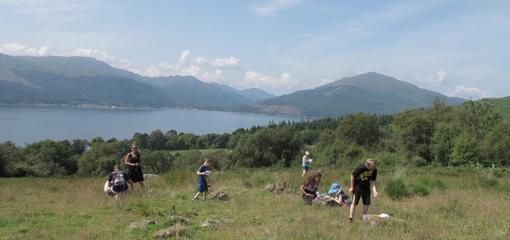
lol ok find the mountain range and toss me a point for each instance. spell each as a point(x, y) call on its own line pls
point(28, 80)
point(81, 80)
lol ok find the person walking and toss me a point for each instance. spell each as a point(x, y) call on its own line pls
point(203, 183)
point(132, 160)
point(305, 163)
point(362, 178)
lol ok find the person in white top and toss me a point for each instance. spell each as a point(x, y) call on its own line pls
point(307, 159)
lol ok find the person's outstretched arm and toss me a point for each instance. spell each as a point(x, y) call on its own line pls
point(374, 188)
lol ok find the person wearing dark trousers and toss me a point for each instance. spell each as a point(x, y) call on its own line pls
point(362, 178)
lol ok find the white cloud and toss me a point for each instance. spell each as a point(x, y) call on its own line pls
point(201, 60)
point(470, 92)
point(94, 53)
point(103, 56)
point(272, 7)
point(325, 81)
point(19, 49)
point(168, 69)
point(225, 62)
point(438, 78)
point(184, 55)
point(256, 79)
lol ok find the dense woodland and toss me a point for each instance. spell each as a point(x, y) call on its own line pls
point(473, 134)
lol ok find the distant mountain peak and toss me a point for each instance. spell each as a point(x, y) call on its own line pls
point(369, 92)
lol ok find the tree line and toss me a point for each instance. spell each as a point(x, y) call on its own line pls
point(473, 134)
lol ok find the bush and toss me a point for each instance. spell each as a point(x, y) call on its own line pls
point(488, 181)
point(420, 189)
point(433, 183)
point(397, 189)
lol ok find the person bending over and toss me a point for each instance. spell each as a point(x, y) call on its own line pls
point(362, 178)
point(310, 188)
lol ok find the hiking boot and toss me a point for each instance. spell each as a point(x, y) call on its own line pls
point(350, 220)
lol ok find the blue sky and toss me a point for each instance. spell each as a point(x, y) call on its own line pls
point(459, 48)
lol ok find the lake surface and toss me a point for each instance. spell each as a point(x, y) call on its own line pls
point(23, 125)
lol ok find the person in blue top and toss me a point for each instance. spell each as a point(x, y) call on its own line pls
point(307, 159)
point(203, 173)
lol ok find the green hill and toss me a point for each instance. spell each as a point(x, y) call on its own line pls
point(370, 92)
point(502, 104)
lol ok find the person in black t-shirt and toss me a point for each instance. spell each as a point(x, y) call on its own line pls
point(362, 177)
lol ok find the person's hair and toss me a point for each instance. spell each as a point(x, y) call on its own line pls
point(311, 179)
point(116, 166)
point(207, 160)
point(371, 162)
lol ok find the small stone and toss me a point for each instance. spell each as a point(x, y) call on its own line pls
point(278, 187)
point(179, 219)
point(221, 195)
point(209, 223)
point(148, 175)
point(142, 224)
point(175, 230)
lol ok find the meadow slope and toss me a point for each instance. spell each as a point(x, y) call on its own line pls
point(468, 204)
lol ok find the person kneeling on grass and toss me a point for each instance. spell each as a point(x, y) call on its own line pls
point(310, 188)
point(361, 179)
point(338, 196)
point(203, 185)
point(116, 183)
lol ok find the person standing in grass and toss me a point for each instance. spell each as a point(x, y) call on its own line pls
point(132, 160)
point(310, 188)
point(362, 178)
point(203, 185)
point(306, 163)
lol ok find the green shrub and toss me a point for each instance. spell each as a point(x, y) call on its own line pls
point(420, 189)
point(488, 181)
point(433, 183)
point(247, 184)
point(397, 189)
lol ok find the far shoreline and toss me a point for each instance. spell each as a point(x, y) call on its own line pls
point(113, 107)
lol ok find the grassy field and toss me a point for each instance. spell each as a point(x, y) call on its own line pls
point(467, 204)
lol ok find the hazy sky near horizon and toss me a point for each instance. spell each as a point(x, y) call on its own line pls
point(457, 47)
